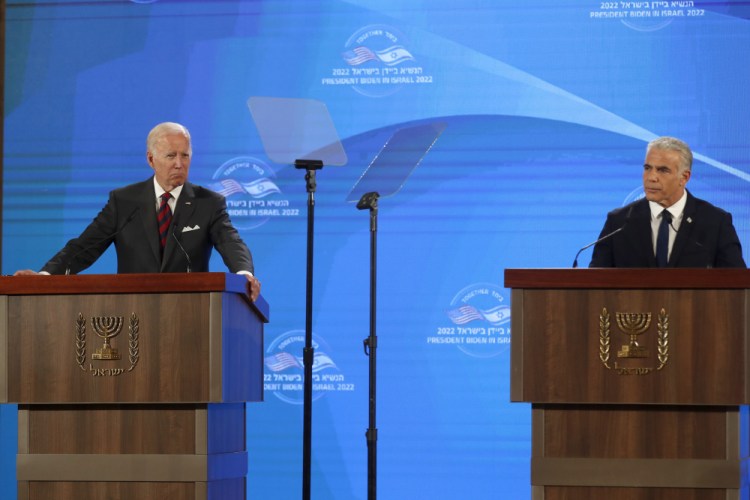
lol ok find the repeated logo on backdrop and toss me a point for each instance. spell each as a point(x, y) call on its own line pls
point(646, 15)
point(377, 61)
point(284, 369)
point(477, 321)
point(252, 192)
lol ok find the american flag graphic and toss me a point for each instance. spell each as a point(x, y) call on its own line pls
point(359, 55)
point(464, 314)
point(257, 189)
point(281, 361)
point(228, 187)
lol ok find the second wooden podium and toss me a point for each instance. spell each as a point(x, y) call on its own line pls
point(131, 386)
point(638, 380)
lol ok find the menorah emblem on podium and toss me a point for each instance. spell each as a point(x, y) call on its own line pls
point(633, 324)
point(107, 328)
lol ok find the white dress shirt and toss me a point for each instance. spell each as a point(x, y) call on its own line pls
point(677, 211)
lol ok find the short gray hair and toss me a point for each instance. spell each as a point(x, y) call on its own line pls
point(166, 128)
point(674, 144)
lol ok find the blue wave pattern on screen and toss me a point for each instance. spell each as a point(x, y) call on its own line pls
point(547, 105)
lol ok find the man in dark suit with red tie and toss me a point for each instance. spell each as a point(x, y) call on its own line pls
point(163, 224)
point(669, 227)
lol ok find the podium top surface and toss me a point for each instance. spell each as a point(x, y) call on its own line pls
point(633, 278)
point(129, 283)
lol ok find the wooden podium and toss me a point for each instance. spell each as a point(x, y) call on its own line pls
point(131, 386)
point(637, 379)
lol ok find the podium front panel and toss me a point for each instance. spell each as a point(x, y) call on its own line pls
point(630, 346)
point(132, 348)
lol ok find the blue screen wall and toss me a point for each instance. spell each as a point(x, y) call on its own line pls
point(547, 109)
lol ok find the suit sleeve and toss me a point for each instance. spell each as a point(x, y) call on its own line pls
point(79, 253)
point(729, 249)
point(227, 240)
point(603, 254)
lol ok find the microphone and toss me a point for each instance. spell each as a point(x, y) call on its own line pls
point(99, 242)
point(177, 240)
point(603, 238)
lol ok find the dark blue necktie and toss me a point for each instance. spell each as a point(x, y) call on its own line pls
point(662, 239)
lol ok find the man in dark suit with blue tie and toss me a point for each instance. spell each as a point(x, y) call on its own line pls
point(669, 227)
point(163, 224)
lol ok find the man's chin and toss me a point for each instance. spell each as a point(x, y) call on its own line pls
point(651, 196)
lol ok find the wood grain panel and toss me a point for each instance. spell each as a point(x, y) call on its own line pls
point(173, 343)
point(622, 279)
point(638, 431)
point(110, 490)
point(111, 429)
point(134, 429)
point(562, 347)
point(580, 493)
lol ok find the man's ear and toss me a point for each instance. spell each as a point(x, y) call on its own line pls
point(150, 159)
point(685, 177)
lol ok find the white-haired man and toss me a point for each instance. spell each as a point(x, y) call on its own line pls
point(149, 220)
point(669, 227)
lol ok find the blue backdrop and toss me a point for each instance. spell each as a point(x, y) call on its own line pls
point(547, 105)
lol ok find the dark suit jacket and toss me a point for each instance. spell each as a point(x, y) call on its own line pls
point(706, 238)
point(131, 213)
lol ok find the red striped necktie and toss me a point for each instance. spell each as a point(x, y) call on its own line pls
point(164, 217)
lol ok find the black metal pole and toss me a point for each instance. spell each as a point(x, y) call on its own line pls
point(370, 201)
point(308, 352)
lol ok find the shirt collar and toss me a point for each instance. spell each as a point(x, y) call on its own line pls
point(158, 190)
point(676, 209)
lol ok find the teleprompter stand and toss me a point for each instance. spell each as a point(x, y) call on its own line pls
point(292, 129)
point(308, 352)
point(387, 173)
point(370, 201)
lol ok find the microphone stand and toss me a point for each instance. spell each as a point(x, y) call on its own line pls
point(370, 201)
point(308, 352)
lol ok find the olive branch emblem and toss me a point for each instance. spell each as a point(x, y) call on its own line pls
point(604, 330)
point(81, 341)
point(662, 341)
point(133, 352)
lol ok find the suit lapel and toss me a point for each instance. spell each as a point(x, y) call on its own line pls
point(683, 235)
point(642, 236)
point(182, 214)
point(148, 204)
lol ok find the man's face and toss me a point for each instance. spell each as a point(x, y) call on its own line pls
point(663, 182)
point(170, 160)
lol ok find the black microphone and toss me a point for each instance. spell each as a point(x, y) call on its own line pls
point(603, 238)
point(177, 240)
point(99, 242)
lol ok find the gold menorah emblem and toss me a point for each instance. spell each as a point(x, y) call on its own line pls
point(107, 328)
point(633, 324)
